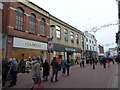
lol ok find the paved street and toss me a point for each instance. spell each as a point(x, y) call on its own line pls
point(79, 78)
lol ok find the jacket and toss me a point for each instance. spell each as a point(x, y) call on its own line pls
point(36, 69)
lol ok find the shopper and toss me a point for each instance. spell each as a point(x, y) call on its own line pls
point(13, 72)
point(63, 65)
point(36, 70)
point(46, 69)
point(5, 68)
point(55, 66)
point(68, 66)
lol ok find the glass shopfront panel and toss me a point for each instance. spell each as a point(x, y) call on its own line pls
point(28, 53)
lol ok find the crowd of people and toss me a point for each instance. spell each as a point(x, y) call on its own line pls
point(36, 65)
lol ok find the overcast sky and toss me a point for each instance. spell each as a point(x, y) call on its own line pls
point(86, 14)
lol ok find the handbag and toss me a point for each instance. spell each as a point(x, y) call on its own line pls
point(38, 86)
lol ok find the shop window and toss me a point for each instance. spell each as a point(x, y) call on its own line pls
point(32, 23)
point(42, 27)
point(66, 35)
point(19, 19)
point(58, 32)
point(72, 37)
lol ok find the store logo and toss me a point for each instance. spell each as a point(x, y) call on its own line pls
point(32, 44)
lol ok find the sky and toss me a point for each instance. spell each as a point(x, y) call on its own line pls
point(86, 14)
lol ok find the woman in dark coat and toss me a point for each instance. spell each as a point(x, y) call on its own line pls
point(46, 69)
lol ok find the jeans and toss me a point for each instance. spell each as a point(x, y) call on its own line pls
point(54, 72)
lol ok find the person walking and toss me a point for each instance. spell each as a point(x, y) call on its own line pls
point(83, 62)
point(63, 65)
point(36, 71)
point(13, 72)
point(46, 69)
point(93, 62)
point(5, 68)
point(55, 66)
point(104, 62)
point(68, 66)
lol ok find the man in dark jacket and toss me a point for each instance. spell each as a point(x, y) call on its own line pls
point(5, 68)
point(55, 65)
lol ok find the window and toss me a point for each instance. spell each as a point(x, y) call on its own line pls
point(82, 40)
point(90, 47)
point(89, 41)
point(77, 41)
point(72, 37)
point(42, 27)
point(58, 33)
point(32, 23)
point(66, 35)
point(86, 39)
point(87, 47)
point(92, 42)
point(19, 19)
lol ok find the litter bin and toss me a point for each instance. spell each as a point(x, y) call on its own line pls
point(72, 62)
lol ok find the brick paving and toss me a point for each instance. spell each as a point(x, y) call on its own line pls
point(79, 78)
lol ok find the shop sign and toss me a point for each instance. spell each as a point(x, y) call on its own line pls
point(70, 49)
point(24, 43)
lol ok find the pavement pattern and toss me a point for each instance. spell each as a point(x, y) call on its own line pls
point(80, 77)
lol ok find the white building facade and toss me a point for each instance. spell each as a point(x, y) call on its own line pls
point(91, 44)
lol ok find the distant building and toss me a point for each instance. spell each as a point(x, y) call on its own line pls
point(100, 50)
point(113, 52)
point(91, 44)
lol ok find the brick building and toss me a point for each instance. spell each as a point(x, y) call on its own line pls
point(25, 30)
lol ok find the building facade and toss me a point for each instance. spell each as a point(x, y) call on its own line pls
point(26, 28)
point(68, 41)
point(91, 44)
point(1, 9)
point(118, 33)
point(100, 50)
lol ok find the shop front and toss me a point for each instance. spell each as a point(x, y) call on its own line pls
point(66, 52)
point(27, 49)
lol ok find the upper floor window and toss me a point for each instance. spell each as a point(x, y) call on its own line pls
point(72, 37)
point(86, 39)
point(58, 33)
point(19, 18)
point(89, 41)
point(82, 40)
point(66, 35)
point(87, 47)
point(32, 23)
point(92, 42)
point(42, 27)
point(90, 47)
point(77, 41)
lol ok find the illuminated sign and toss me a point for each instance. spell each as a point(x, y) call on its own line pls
point(24, 43)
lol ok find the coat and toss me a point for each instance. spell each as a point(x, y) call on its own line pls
point(46, 69)
point(36, 69)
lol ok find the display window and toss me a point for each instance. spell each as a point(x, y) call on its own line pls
point(21, 53)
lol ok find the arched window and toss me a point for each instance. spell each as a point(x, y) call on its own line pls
point(58, 32)
point(19, 19)
point(77, 40)
point(32, 23)
point(72, 37)
point(66, 35)
point(42, 27)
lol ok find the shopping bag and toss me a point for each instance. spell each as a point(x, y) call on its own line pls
point(38, 86)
